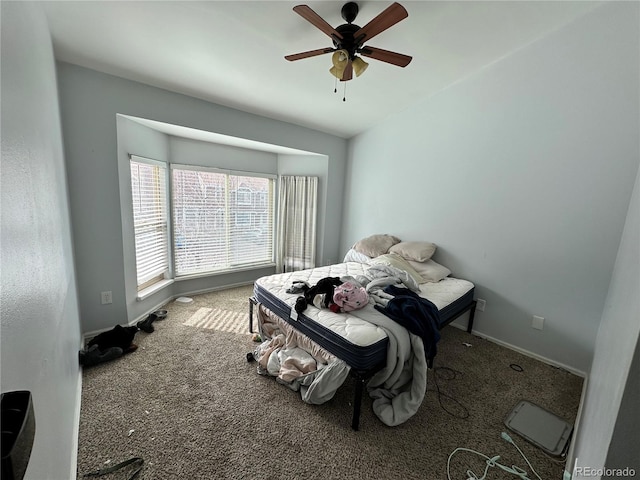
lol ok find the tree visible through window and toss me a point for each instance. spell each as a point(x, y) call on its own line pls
point(220, 221)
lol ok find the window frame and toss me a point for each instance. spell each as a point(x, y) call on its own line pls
point(231, 217)
point(167, 272)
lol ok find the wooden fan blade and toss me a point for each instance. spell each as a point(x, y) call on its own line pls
point(389, 17)
point(348, 72)
point(310, 53)
point(316, 20)
point(386, 56)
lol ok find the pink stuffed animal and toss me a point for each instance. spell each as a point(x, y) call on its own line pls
point(350, 296)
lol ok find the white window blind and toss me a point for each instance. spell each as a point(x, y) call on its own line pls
point(148, 188)
point(220, 220)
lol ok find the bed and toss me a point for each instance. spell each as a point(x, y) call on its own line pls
point(365, 343)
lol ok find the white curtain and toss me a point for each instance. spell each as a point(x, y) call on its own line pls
point(297, 211)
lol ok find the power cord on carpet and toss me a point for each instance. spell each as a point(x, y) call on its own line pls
point(451, 374)
point(493, 462)
point(137, 463)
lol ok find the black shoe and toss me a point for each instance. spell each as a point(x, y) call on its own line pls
point(94, 355)
point(145, 325)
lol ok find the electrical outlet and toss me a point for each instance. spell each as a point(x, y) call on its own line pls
point(481, 304)
point(106, 298)
point(537, 322)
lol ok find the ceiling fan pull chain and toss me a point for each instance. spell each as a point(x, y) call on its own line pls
point(344, 96)
point(335, 85)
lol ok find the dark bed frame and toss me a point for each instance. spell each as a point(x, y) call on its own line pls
point(363, 376)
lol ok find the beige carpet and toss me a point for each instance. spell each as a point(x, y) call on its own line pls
point(189, 403)
point(220, 320)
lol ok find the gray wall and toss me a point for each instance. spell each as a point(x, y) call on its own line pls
point(612, 391)
point(39, 308)
point(626, 435)
point(522, 175)
point(136, 139)
point(90, 102)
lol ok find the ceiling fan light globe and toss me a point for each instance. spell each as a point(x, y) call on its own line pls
point(359, 66)
point(340, 59)
point(336, 72)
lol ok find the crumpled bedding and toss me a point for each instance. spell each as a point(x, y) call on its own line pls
point(296, 361)
point(397, 389)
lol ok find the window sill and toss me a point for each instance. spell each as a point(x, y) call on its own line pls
point(156, 287)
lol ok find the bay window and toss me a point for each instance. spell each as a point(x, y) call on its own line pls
point(150, 222)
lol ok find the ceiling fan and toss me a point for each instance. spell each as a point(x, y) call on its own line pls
point(349, 39)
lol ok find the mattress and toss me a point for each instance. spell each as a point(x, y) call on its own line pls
point(362, 345)
point(451, 295)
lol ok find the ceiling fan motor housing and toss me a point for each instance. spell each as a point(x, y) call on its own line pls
point(349, 12)
point(348, 42)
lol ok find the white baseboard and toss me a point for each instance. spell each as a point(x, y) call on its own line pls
point(567, 475)
point(214, 289)
point(570, 454)
point(76, 428)
point(195, 292)
point(93, 333)
point(523, 351)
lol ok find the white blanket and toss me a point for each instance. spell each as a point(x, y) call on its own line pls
point(399, 388)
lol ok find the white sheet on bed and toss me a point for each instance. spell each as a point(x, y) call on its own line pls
point(347, 325)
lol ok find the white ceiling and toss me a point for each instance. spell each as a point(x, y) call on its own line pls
point(231, 52)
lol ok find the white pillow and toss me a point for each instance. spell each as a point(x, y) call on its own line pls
point(395, 260)
point(353, 256)
point(430, 271)
point(416, 251)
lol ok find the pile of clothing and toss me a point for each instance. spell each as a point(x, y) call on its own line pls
point(391, 290)
point(332, 293)
point(296, 361)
